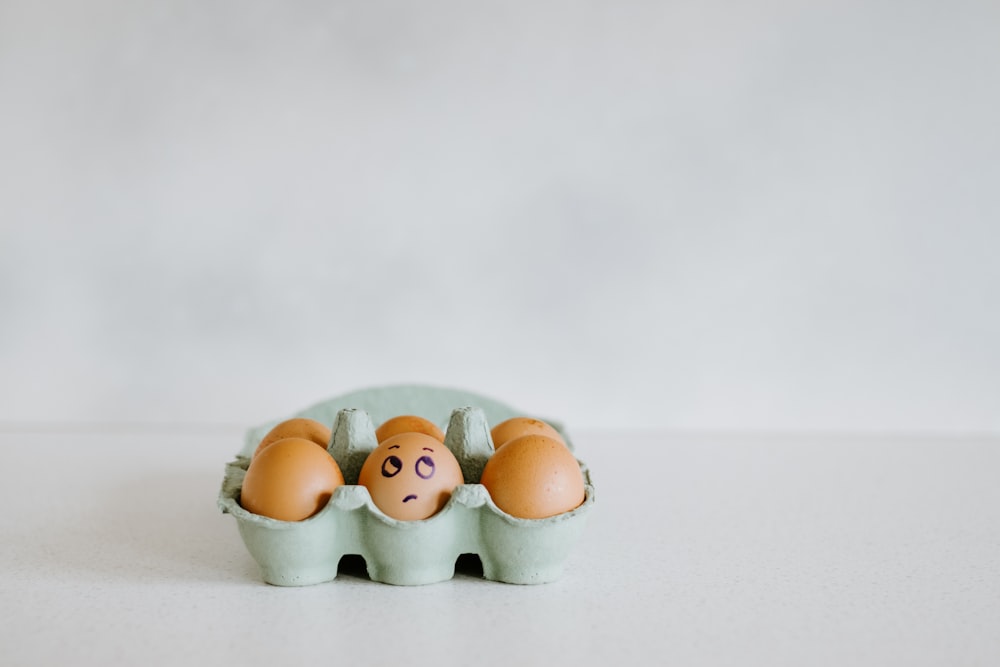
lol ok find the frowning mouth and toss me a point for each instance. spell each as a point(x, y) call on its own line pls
point(410, 497)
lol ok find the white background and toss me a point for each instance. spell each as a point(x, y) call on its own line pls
point(663, 215)
point(670, 217)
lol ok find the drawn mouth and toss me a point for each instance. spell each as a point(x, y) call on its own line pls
point(409, 498)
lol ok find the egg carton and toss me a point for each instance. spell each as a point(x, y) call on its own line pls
point(511, 549)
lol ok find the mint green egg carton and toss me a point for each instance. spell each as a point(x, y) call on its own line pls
point(511, 550)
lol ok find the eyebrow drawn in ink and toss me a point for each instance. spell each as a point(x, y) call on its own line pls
point(394, 447)
point(426, 449)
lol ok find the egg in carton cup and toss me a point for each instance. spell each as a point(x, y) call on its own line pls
point(511, 549)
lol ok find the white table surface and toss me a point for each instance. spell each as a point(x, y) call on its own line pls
point(742, 550)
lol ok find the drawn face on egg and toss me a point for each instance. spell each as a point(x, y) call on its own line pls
point(410, 476)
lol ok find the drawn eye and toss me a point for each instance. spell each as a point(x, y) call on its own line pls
point(391, 466)
point(425, 467)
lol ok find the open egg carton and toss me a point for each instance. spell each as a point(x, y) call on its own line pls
point(511, 550)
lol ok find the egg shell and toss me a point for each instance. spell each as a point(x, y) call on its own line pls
point(290, 480)
point(512, 550)
point(411, 475)
point(534, 477)
point(298, 427)
point(408, 424)
point(515, 427)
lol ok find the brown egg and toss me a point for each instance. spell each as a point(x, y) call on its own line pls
point(408, 424)
point(533, 477)
point(291, 480)
point(410, 476)
point(298, 427)
point(515, 427)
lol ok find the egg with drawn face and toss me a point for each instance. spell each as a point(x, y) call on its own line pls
point(410, 476)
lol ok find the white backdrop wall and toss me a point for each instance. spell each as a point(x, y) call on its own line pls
point(691, 215)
